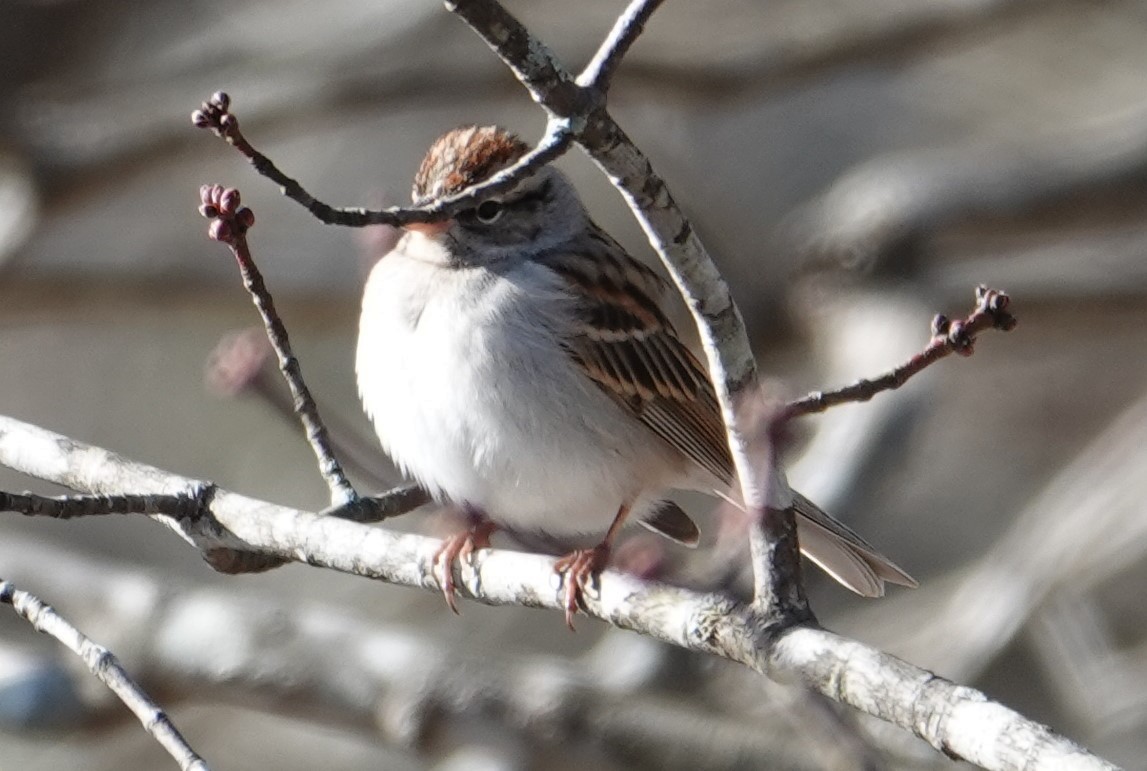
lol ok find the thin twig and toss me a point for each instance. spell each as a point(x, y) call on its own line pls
point(237, 365)
point(629, 26)
point(180, 506)
point(215, 115)
point(240, 364)
point(377, 508)
point(229, 224)
point(106, 667)
point(947, 337)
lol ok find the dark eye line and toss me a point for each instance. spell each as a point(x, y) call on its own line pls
point(521, 202)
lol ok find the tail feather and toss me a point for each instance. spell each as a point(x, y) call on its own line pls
point(671, 521)
point(842, 553)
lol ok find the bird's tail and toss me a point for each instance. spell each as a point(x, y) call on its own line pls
point(843, 554)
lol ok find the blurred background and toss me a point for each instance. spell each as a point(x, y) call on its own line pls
point(853, 168)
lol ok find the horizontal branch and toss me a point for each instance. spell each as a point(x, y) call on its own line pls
point(959, 721)
point(292, 658)
point(73, 506)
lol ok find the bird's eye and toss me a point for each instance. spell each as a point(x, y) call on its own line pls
point(488, 211)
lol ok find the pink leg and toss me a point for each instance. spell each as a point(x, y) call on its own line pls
point(457, 547)
point(580, 568)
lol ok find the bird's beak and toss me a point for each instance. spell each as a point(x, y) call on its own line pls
point(429, 229)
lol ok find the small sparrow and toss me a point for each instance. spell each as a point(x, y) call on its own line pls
point(516, 361)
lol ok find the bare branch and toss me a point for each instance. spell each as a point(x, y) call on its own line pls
point(532, 62)
point(240, 364)
point(960, 721)
point(229, 225)
point(377, 508)
point(758, 635)
point(106, 667)
point(947, 337)
point(293, 659)
point(773, 545)
point(215, 114)
point(629, 26)
point(179, 506)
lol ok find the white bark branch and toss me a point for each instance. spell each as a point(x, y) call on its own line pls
point(107, 669)
point(959, 721)
point(775, 634)
point(294, 659)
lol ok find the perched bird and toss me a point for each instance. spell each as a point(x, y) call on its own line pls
point(516, 361)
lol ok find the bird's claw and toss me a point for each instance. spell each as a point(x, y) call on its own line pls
point(579, 571)
point(459, 549)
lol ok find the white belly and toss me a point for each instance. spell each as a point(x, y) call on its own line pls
point(465, 405)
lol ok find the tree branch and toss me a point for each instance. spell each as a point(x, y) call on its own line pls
point(947, 337)
point(215, 115)
point(107, 669)
point(959, 721)
point(229, 225)
point(776, 633)
point(600, 70)
point(73, 506)
point(291, 658)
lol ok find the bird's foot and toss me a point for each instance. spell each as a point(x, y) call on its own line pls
point(459, 548)
point(579, 571)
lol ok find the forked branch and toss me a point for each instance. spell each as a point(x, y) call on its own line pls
point(960, 721)
point(771, 635)
point(577, 111)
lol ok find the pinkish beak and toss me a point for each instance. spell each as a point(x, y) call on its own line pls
point(429, 229)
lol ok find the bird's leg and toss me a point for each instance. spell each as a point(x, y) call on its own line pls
point(460, 547)
point(580, 568)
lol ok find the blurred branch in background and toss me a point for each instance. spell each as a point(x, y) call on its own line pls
point(873, 211)
point(107, 668)
point(1082, 530)
point(1068, 232)
point(288, 72)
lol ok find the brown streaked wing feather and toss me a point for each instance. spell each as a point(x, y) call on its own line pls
point(629, 348)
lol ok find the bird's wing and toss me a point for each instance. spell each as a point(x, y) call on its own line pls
point(628, 347)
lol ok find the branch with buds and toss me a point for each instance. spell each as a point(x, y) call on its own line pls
point(775, 634)
point(577, 113)
point(948, 337)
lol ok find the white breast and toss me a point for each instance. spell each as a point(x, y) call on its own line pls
point(473, 397)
